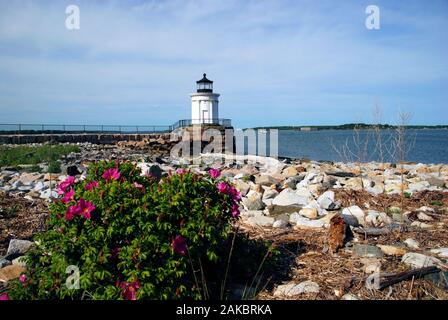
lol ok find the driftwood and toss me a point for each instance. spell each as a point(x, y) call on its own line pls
point(388, 279)
point(402, 276)
point(372, 231)
point(377, 231)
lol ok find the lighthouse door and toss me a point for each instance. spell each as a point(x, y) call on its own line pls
point(205, 118)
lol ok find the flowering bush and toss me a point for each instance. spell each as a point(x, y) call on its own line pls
point(129, 235)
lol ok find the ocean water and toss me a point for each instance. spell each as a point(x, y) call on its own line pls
point(424, 146)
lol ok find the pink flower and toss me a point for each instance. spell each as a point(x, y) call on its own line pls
point(71, 212)
point(235, 194)
point(214, 173)
point(69, 196)
point(138, 185)
point(235, 211)
point(181, 171)
point(85, 208)
point(91, 185)
point(179, 245)
point(68, 182)
point(22, 278)
point(129, 289)
point(222, 187)
point(111, 174)
point(4, 297)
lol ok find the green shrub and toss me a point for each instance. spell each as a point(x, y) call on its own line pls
point(54, 167)
point(130, 235)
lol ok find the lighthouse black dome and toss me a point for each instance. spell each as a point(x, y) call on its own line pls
point(204, 85)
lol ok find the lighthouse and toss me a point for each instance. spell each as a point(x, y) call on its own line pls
point(204, 103)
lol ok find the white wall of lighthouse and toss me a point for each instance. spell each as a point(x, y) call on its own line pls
point(204, 103)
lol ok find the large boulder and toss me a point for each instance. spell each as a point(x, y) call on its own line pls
point(18, 248)
point(289, 198)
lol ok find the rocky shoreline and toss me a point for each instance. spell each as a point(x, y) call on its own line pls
point(352, 219)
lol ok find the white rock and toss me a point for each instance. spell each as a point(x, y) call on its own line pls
point(441, 252)
point(305, 223)
point(304, 192)
point(260, 221)
point(47, 194)
point(288, 198)
point(326, 201)
point(280, 224)
point(418, 260)
point(373, 218)
point(293, 289)
point(253, 201)
point(270, 194)
point(310, 213)
point(314, 205)
point(411, 243)
point(349, 296)
point(354, 215)
point(418, 186)
point(39, 186)
point(421, 225)
point(251, 213)
point(424, 217)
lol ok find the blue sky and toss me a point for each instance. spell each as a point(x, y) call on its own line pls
point(274, 62)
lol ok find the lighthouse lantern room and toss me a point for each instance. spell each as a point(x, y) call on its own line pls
point(204, 103)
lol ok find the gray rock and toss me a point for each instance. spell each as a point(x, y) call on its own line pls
point(260, 221)
point(280, 224)
point(20, 261)
point(155, 171)
point(411, 243)
point(242, 186)
point(367, 251)
point(18, 247)
point(4, 263)
point(436, 182)
point(418, 260)
point(292, 182)
point(270, 194)
point(266, 180)
point(293, 289)
point(253, 201)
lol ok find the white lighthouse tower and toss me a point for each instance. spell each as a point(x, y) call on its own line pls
point(204, 103)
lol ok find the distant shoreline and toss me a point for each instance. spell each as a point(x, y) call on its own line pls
point(351, 126)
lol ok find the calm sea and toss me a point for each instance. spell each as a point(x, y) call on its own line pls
point(425, 146)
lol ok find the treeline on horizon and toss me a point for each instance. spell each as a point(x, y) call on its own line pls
point(352, 126)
